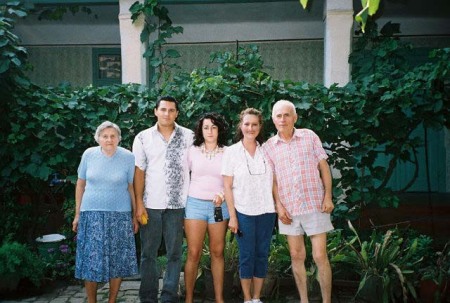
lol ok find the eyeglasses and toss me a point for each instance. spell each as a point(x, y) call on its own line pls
point(250, 171)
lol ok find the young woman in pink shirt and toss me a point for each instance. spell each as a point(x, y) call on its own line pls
point(206, 202)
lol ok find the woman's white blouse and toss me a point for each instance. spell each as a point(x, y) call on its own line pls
point(252, 180)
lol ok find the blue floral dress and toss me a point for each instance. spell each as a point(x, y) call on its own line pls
point(105, 240)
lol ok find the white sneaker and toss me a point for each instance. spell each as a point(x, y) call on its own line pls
point(256, 301)
point(248, 301)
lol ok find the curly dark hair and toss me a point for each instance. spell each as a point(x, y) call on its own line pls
point(217, 120)
point(250, 111)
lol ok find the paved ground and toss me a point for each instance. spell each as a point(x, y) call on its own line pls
point(75, 294)
point(129, 294)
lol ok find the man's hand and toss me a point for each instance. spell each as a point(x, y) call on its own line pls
point(140, 211)
point(327, 205)
point(283, 214)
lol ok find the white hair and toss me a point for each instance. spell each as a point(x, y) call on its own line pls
point(281, 103)
point(105, 125)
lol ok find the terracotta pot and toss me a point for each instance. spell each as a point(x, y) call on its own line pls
point(9, 283)
point(431, 292)
point(24, 199)
point(427, 290)
point(228, 284)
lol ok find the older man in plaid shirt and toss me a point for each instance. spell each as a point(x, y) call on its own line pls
point(303, 186)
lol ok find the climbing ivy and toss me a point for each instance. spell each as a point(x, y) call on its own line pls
point(157, 29)
point(45, 130)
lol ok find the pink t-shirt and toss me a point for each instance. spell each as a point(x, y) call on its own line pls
point(206, 180)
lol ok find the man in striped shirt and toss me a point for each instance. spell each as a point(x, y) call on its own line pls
point(303, 194)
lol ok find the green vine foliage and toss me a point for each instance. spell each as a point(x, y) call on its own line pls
point(45, 130)
point(157, 29)
point(13, 58)
point(57, 12)
point(51, 127)
point(389, 100)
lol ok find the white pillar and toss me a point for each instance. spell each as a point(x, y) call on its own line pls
point(134, 65)
point(338, 39)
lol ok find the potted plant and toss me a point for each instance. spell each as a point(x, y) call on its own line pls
point(435, 277)
point(231, 262)
point(279, 267)
point(17, 261)
point(280, 278)
point(385, 264)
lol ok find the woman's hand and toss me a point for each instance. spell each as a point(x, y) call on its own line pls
point(218, 200)
point(75, 223)
point(233, 225)
point(135, 225)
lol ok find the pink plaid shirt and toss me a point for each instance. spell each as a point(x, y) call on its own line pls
point(296, 166)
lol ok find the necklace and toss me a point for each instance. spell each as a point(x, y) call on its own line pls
point(209, 154)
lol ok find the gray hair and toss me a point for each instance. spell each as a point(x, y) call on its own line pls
point(105, 125)
point(281, 103)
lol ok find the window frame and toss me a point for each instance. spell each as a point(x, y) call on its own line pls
point(96, 79)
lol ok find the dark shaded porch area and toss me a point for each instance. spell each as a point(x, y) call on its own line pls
point(428, 213)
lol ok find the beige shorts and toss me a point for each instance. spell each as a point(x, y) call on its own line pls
point(309, 224)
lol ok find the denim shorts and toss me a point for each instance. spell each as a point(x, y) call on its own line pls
point(197, 209)
point(311, 224)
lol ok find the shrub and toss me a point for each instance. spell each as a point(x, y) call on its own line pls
point(386, 264)
point(18, 260)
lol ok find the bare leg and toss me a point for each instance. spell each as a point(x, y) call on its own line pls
point(257, 287)
point(91, 291)
point(114, 286)
point(216, 234)
point(298, 255)
point(246, 285)
point(319, 249)
point(195, 235)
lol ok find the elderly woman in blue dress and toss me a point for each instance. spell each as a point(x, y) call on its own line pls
point(104, 214)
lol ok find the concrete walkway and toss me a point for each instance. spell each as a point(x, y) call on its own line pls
point(76, 294)
point(129, 293)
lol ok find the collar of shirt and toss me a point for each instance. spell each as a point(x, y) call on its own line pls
point(242, 145)
point(296, 133)
point(155, 131)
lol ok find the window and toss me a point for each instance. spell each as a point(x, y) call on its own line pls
point(106, 66)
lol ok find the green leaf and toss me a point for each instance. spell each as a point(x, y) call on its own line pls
point(4, 66)
point(16, 62)
point(3, 42)
point(155, 62)
point(172, 53)
point(304, 3)
point(361, 18)
point(19, 13)
point(373, 6)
